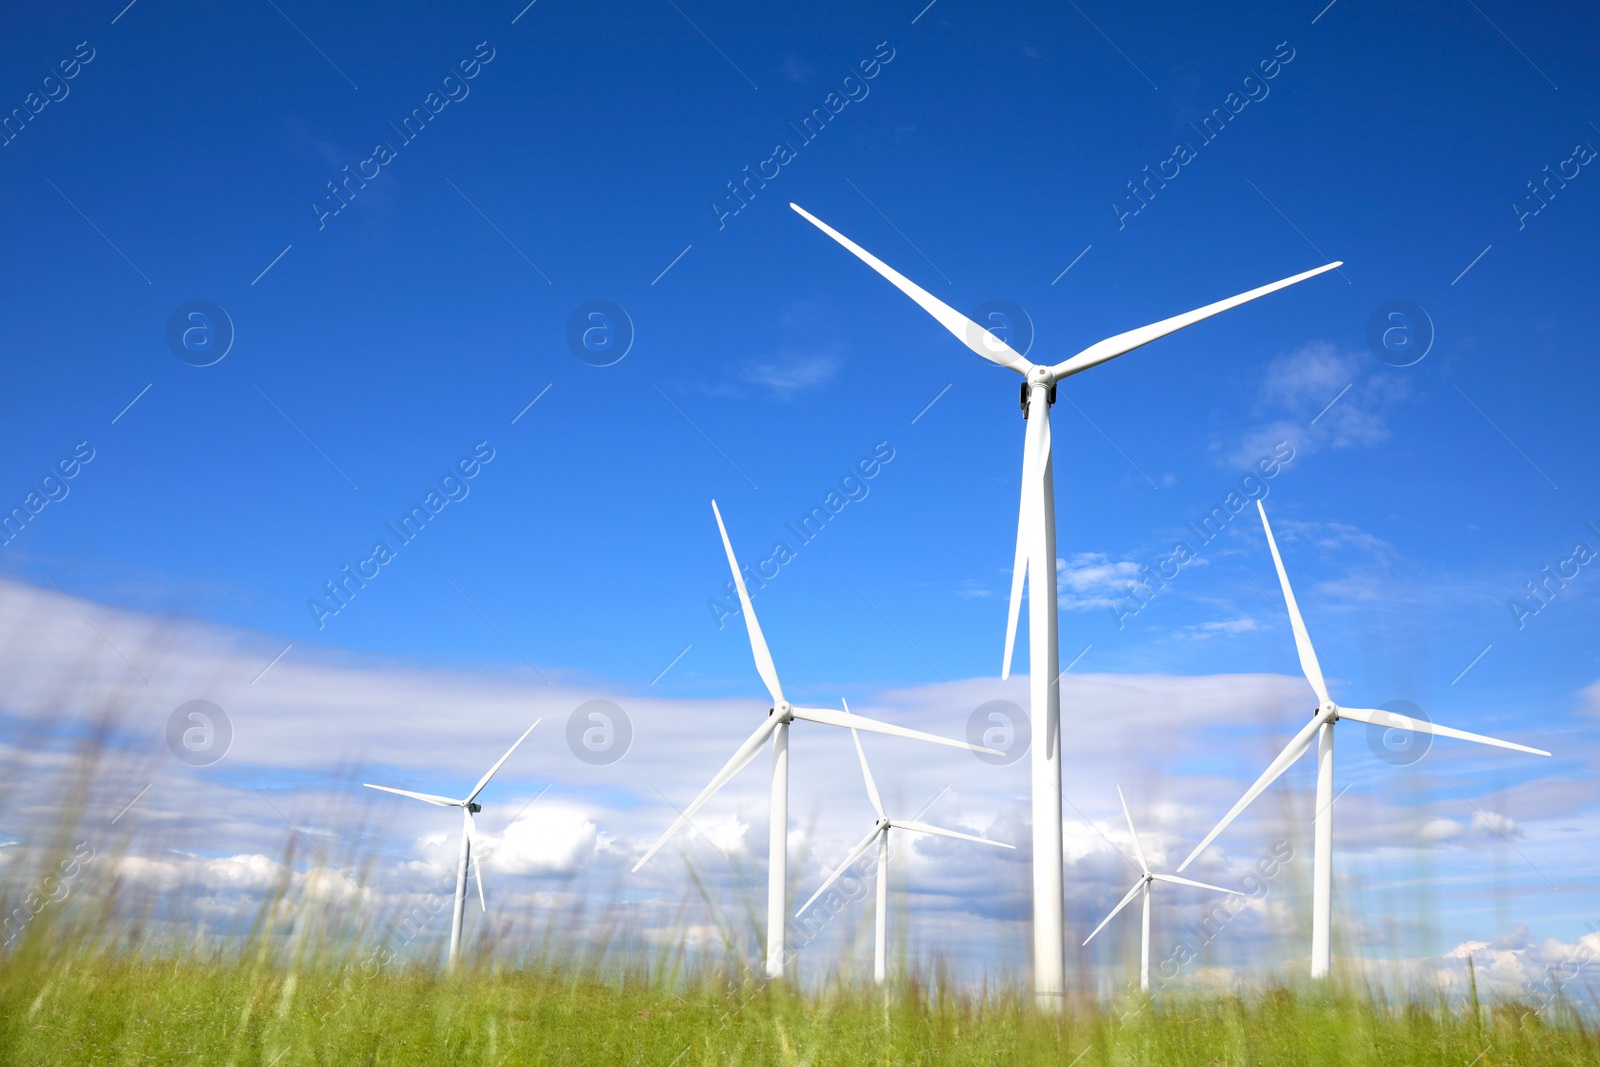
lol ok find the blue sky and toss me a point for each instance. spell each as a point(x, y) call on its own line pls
point(376, 347)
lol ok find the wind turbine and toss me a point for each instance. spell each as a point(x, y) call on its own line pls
point(1320, 729)
point(1036, 557)
point(879, 835)
point(1142, 888)
point(776, 726)
point(469, 837)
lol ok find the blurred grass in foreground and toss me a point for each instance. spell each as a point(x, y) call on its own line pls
point(105, 1006)
point(74, 995)
point(97, 967)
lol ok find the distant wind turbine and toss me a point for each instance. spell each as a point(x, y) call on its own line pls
point(1036, 557)
point(1142, 888)
point(469, 837)
point(1320, 728)
point(776, 726)
point(879, 835)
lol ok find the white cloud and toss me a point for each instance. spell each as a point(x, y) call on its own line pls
point(1591, 700)
point(548, 839)
point(1183, 748)
point(728, 835)
point(1321, 396)
point(796, 70)
point(1488, 822)
point(245, 871)
point(788, 375)
point(1242, 625)
point(1440, 830)
point(1093, 580)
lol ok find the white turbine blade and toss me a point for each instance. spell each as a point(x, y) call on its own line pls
point(1175, 880)
point(500, 763)
point(969, 333)
point(855, 854)
point(430, 798)
point(828, 717)
point(743, 756)
point(1132, 832)
point(924, 828)
point(758, 642)
point(477, 858)
point(1122, 343)
point(1292, 751)
point(1035, 451)
point(1302, 640)
point(866, 773)
point(1378, 717)
point(1122, 904)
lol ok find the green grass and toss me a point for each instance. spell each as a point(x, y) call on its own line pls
point(106, 972)
point(104, 1006)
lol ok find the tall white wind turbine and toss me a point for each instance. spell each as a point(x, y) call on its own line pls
point(469, 837)
point(879, 835)
point(776, 726)
point(1320, 729)
point(1142, 888)
point(1036, 557)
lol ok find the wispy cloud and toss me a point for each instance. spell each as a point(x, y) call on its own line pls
point(1093, 580)
point(796, 70)
point(1321, 396)
point(788, 375)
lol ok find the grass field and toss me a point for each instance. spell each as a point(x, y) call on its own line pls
point(66, 1005)
point(95, 970)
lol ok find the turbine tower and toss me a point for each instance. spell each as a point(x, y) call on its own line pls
point(1142, 887)
point(776, 726)
point(879, 835)
point(1035, 557)
point(1320, 729)
point(469, 837)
